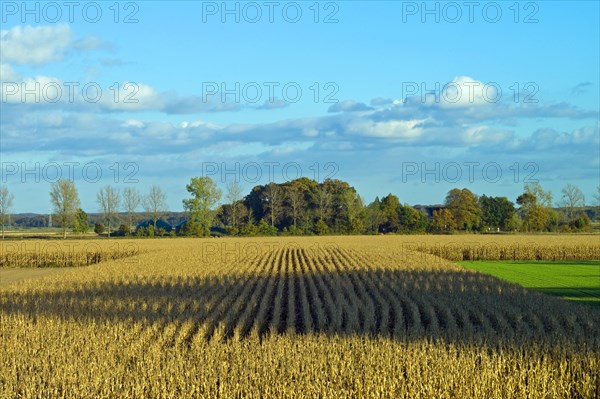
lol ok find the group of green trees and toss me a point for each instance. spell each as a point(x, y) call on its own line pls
point(465, 211)
point(306, 207)
point(300, 206)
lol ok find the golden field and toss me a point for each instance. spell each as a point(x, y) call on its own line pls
point(64, 253)
point(508, 247)
point(343, 317)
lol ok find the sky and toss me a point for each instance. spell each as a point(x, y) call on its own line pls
point(409, 98)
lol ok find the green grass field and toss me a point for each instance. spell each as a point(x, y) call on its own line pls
point(576, 281)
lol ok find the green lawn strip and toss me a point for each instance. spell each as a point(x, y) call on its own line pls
point(576, 280)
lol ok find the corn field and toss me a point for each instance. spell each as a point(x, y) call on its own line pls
point(458, 252)
point(350, 317)
point(505, 247)
point(63, 253)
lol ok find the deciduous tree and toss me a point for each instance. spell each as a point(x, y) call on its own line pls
point(374, 216)
point(535, 216)
point(296, 202)
point(496, 212)
point(322, 200)
point(6, 203)
point(155, 203)
point(82, 225)
point(234, 197)
point(464, 208)
point(273, 196)
point(131, 201)
point(544, 198)
point(411, 219)
point(108, 199)
point(572, 198)
point(65, 201)
point(205, 196)
point(443, 220)
point(389, 206)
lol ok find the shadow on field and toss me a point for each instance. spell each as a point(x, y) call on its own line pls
point(586, 295)
point(455, 306)
point(555, 262)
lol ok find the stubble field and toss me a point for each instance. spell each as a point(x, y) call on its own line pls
point(292, 317)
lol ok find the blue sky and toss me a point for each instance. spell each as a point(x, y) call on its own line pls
point(411, 98)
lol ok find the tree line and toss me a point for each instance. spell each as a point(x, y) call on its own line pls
point(307, 207)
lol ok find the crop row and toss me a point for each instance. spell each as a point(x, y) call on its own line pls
point(345, 320)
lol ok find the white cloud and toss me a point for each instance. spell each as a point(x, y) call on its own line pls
point(485, 135)
point(349, 106)
point(38, 89)
point(466, 91)
point(8, 74)
point(586, 134)
point(462, 91)
point(198, 124)
point(310, 132)
point(78, 96)
point(35, 45)
point(290, 148)
point(39, 45)
point(393, 129)
point(131, 96)
point(543, 139)
point(133, 123)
